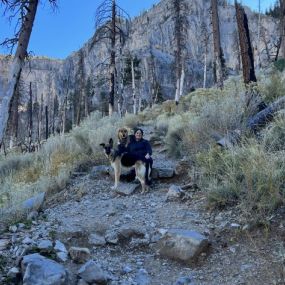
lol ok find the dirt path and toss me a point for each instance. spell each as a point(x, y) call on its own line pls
point(89, 206)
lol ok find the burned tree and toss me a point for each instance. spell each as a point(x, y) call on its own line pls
point(26, 9)
point(80, 75)
point(111, 24)
point(132, 74)
point(218, 53)
point(180, 33)
point(245, 45)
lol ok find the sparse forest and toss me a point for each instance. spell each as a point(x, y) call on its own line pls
point(205, 80)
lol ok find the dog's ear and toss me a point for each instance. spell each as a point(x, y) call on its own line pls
point(102, 144)
point(111, 142)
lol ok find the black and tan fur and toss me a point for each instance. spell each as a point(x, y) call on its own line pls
point(115, 160)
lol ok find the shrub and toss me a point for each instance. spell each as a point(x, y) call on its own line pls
point(273, 135)
point(272, 88)
point(280, 64)
point(248, 175)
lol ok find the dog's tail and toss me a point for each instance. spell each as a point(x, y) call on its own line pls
point(148, 169)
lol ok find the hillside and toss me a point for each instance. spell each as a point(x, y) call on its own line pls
point(115, 235)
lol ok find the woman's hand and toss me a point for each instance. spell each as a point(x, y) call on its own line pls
point(147, 156)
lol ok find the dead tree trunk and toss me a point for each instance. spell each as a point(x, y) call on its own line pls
point(17, 64)
point(47, 128)
point(282, 22)
point(134, 87)
point(14, 120)
point(40, 119)
point(80, 79)
point(30, 114)
point(112, 60)
point(218, 54)
point(245, 45)
point(178, 40)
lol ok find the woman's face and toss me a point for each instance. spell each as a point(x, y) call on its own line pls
point(138, 135)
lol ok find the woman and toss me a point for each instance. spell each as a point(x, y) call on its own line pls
point(137, 149)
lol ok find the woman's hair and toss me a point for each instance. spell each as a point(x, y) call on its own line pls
point(138, 129)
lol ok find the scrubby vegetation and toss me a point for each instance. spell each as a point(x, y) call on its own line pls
point(250, 175)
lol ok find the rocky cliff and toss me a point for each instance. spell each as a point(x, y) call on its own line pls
point(152, 41)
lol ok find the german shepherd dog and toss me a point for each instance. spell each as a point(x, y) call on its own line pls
point(116, 162)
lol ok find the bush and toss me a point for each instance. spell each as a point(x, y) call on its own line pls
point(248, 175)
point(280, 64)
point(272, 88)
point(273, 135)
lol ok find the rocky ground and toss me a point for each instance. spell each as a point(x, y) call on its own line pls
point(90, 234)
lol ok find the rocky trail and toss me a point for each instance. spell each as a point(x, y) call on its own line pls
point(90, 234)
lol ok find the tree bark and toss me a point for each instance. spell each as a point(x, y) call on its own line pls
point(217, 44)
point(245, 45)
point(133, 86)
point(30, 114)
point(112, 60)
point(17, 64)
point(282, 21)
point(46, 115)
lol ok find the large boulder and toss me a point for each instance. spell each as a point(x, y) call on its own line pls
point(182, 245)
point(92, 272)
point(39, 270)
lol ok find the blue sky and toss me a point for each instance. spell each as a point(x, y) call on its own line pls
point(58, 33)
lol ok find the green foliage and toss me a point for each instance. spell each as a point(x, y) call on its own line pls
point(248, 175)
point(273, 135)
point(280, 64)
point(272, 88)
point(127, 78)
point(274, 11)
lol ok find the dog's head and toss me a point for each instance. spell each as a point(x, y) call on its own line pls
point(122, 133)
point(108, 147)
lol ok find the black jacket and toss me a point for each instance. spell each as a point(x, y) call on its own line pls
point(141, 147)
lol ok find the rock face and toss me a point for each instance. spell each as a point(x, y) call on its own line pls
point(151, 40)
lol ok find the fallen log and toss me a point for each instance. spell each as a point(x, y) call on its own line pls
point(254, 123)
point(266, 115)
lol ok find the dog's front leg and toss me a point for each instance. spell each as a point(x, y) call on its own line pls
point(117, 169)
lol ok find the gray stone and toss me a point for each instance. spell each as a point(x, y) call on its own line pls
point(13, 229)
point(27, 240)
point(142, 277)
point(91, 272)
point(39, 270)
point(45, 244)
point(79, 254)
point(183, 281)
point(182, 245)
point(127, 189)
point(174, 193)
point(4, 244)
point(111, 237)
point(13, 272)
point(126, 269)
point(126, 233)
point(34, 203)
point(96, 240)
point(59, 246)
point(62, 256)
point(99, 170)
point(165, 172)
